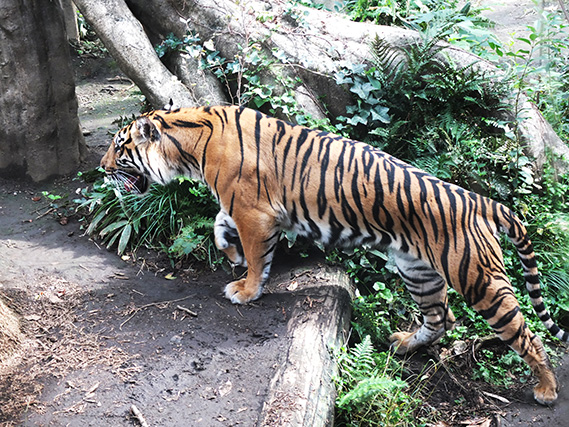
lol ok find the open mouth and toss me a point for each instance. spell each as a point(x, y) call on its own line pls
point(130, 182)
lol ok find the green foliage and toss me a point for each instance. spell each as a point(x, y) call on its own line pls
point(500, 370)
point(368, 391)
point(89, 44)
point(166, 217)
point(196, 239)
point(405, 12)
point(382, 301)
point(241, 76)
point(541, 64)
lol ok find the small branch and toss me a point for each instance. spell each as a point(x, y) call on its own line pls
point(138, 415)
point(187, 310)
point(136, 310)
point(497, 397)
point(564, 10)
point(50, 210)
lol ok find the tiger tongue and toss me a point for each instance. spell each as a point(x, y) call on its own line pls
point(130, 183)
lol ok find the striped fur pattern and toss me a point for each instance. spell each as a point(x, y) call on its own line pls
point(269, 175)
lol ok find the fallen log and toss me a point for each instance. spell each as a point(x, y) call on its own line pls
point(302, 392)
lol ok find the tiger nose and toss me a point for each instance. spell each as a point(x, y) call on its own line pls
point(107, 163)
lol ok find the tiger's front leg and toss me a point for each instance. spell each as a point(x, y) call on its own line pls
point(259, 237)
point(227, 239)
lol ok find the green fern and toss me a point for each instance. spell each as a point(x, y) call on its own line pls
point(359, 362)
point(368, 389)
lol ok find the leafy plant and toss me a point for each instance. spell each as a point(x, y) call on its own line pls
point(165, 214)
point(500, 370)
point(188, 45)
point(369, 393)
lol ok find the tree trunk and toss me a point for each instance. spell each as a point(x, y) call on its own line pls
point(10, 335)
point(125, 39)
point(314, 43)
point(40, 135)
point(70, 19)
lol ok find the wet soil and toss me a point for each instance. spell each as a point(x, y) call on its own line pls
point(103, 334)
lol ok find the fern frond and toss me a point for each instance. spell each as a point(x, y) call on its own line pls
point(368, 388)
point(359, 362)
point(386, 57)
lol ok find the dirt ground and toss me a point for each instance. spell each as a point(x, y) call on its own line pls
point(103, 333)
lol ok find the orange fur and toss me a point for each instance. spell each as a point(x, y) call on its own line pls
point(269, 175)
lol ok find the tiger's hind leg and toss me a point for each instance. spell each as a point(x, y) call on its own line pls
point(429, 290)
point(227, 239)
point(500, 308)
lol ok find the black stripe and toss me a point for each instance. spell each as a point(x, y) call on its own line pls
point(230, 212)
point(258, 118)
point(186, 124)
point(185, 155)
point(162, 121)
point(321, 198)
point(237, 119)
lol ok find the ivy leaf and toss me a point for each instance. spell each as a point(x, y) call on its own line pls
point(342, 78)
point(380, 113)
point(362, 90)
point(362, 117)
point(280, 55)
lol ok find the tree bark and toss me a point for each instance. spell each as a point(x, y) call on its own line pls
point(70, 19)
point(40, 135)
point(10, 335)
point(127, 42)
point(315, 44)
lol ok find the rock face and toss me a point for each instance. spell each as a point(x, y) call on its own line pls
point(40, 134)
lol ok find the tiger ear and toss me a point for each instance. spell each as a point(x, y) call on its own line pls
point(147, 130)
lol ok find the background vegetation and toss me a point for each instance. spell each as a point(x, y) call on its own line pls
point(433, 114)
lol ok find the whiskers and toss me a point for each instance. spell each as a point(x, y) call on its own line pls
point(125, 182)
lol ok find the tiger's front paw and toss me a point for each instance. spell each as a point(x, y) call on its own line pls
point(400, 342)
point(545, 392)
point(238, 293)
point(544, 396)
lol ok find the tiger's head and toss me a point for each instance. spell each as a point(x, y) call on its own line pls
point(159, 147)
point(126, 160)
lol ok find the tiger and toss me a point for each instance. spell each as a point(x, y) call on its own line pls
point(269, 175)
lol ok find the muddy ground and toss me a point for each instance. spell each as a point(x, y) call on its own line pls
point(103, 333)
